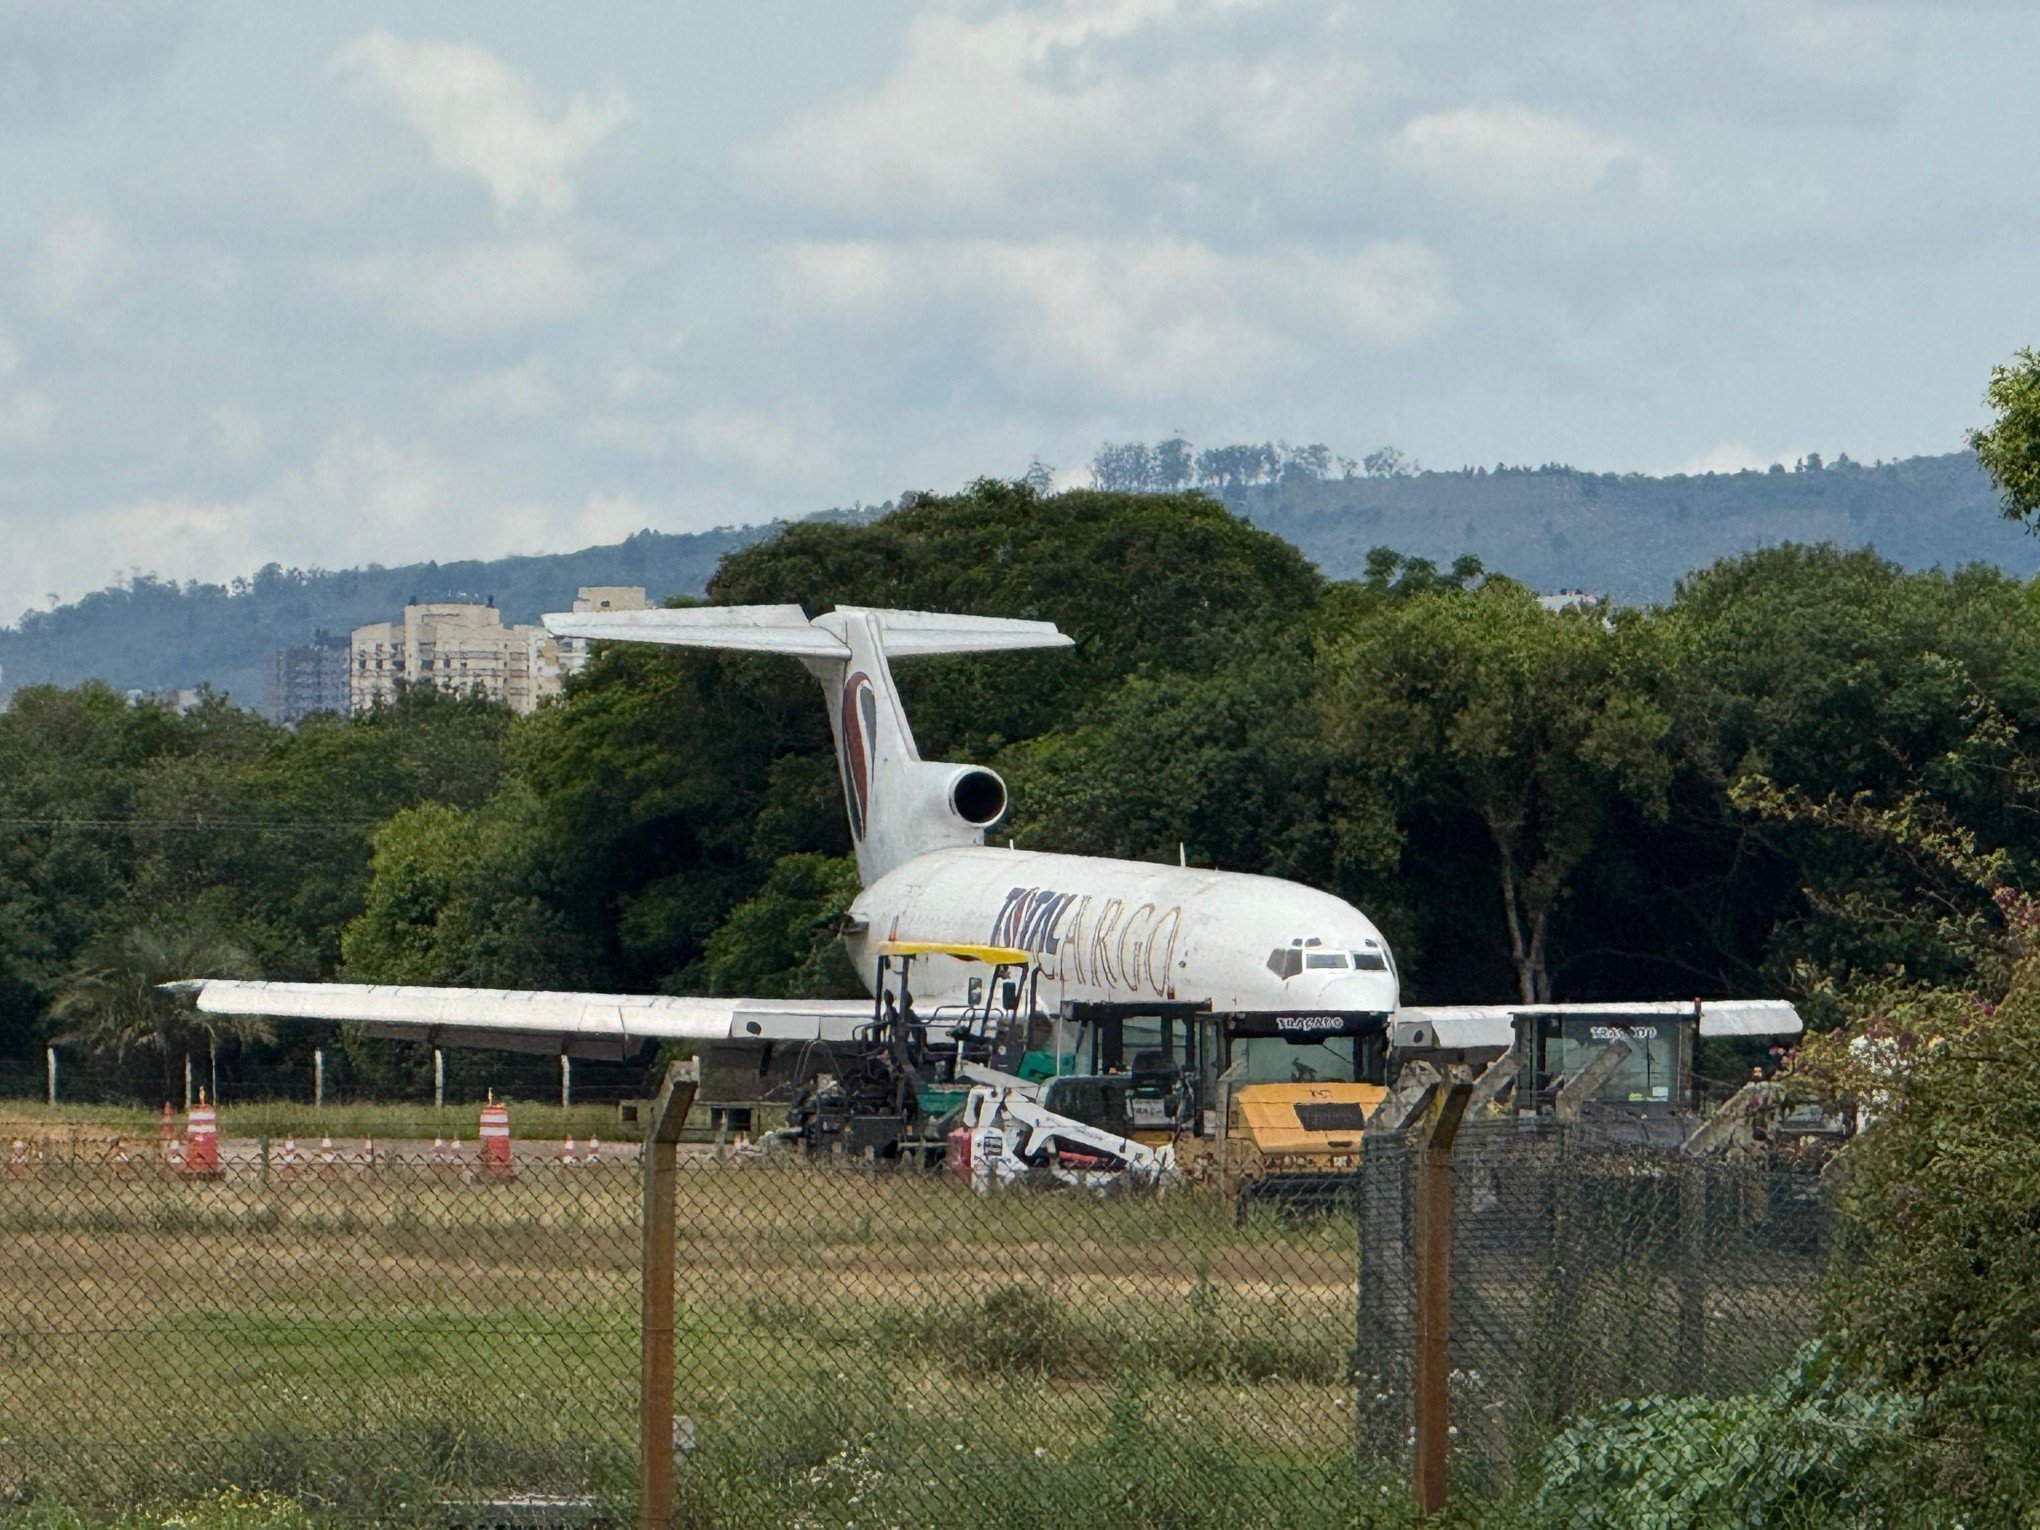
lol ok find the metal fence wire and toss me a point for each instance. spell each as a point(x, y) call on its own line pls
point(1584, 1270)
point(414, 1337)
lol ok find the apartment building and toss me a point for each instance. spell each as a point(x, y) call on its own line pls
point(463, 647)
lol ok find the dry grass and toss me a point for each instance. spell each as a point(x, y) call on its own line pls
point(139, 1314)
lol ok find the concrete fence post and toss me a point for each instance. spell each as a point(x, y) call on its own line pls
point(50, 1065)
point(438, 1079)
point(319, 1076)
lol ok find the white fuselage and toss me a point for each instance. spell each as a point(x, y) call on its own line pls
point(1126, 931)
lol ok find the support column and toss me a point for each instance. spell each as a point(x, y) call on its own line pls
point(438, 1078)
point(566, 1081)
point(319, 1076)
point(187, 1083)
point(50, 1063)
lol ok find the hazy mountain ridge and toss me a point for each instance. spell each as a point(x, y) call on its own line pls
point(1632, 536)
point(1626, 535)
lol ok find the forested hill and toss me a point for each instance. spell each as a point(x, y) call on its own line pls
point(157, 635)
point(1632, 536)
point(1626, 535)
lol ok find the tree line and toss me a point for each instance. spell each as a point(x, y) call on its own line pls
point(1583, 803)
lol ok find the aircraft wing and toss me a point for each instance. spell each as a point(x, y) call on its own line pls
point(600, 1025)
point(1493, 1025)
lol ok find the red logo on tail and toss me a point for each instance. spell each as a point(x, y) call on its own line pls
point(860, 729)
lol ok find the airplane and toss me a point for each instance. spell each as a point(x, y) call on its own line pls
point(1306, 965)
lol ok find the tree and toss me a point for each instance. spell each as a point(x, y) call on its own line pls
point(1385, 462)
point(2009, 449)
point(1175, 465)
point(1128, 468)
point(782, 942)
point(1478, 703)
point(113, 1002)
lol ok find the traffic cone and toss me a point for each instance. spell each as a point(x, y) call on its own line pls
point(18, 1166)
point(366, 1157)
point(202, 1142)
point(166, 1131)
point(495, 1136)
point(328, 1159)
point(567, 1154)
point(594, 1153)
point(123, 1164)
point(287, 1161)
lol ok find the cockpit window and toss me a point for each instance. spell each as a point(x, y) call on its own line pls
point(1285, 961)
point(1370, 961)
point(1316, 960)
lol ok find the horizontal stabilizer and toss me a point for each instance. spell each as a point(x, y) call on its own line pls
point(787, 630)
point(581, 1024)
point(1473, 1026)
point(912, 634)
point(756, 629)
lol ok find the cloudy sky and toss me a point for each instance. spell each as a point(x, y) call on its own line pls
point(336, 283)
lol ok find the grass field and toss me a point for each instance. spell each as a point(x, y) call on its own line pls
point(877, 1349)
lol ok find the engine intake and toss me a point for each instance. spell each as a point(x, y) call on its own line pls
point(978, 797)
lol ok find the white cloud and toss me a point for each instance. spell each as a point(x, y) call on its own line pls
point(523, 392)
point(1511, 154)
point(25, 417)
point(993, 112)
point(474, 289)
point(80, 262)
point(238, 433)
point(482, 117)
point(1127, 316)
point(770, 446)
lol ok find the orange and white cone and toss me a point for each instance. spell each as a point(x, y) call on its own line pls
point(567, 1154)
point(202, 1142)
point(495, 1136)
point(594, 1153)
point(18, 1165)
point(287, 1161)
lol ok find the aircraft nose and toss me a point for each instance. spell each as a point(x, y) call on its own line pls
point(1360, 992)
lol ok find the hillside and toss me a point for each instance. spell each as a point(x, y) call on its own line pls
point(158, 635)
point(1626, 535)
point(1631, 536)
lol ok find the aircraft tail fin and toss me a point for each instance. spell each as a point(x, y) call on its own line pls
point(900, 805)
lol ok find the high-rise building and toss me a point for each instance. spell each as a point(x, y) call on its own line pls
point(311, 677)
point(462, 647)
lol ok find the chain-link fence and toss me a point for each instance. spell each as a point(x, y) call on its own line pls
point(1599, 1291)
point(384, 1336)
point(413, 1336)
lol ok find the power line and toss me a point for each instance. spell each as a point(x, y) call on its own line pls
point(202, 825)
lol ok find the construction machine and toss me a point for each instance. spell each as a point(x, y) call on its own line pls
point(887, 1091)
